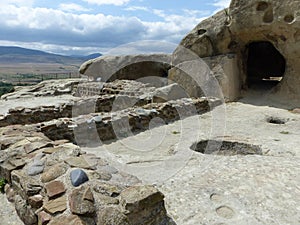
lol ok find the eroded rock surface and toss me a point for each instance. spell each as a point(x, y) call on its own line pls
point(234, 31)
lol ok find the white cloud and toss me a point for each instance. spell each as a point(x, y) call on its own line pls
point(66, 30)
point(137, 8)
point(107, 2)
point(221, 4)
point(27, 3)
point(71, 7)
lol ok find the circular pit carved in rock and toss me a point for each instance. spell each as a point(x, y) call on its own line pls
point(226, 148)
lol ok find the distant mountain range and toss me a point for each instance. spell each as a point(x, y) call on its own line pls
point(10, 54)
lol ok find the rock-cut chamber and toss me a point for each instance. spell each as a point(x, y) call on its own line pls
point(265, 65)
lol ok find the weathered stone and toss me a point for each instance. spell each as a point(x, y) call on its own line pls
point(111, 215)
point(35, 169)
point(130, 67)
point(36, 201)
point(56, 205)
point(67, 219)
point(51, 150)
point(37, 166)
point(60, 142)
point(78, 162)
point(137, 197)
point(268, 27)
point(102, 199)
point(88, 195)
point(24, 211)
point(170, 92)
point(297, 111)
point(10, 193)
point(54, 172)
point(55, 188)
point(43, 218)
point(78, 177)
point(143, 205)
point(79, 204)
point(24, 184)
point(100, 175)
point(107, 189)
point(33, 146)
point(11, 164)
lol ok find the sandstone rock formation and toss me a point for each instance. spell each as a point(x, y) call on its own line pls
point(265, 30)
point(130, 67)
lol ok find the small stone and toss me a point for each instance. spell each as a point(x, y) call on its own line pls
point(10, 193)
point(10, 165)
point(78, 177)
point(107, 189)
point(67, 220)
point(24, 211)
point(17, 162)
point(55, 188)
point(36, 167)
point(100, 175)
point(296, 110)
point(88, 195)
point(51, 150)
point(106, 200)
point(78, 204)
point(43, 218)
point(54, 172)
point(78, 162)
point(111, 215)
point(97, 119)
point(56, 205)
point(36, 201)
point(31, 147)
point(137, 197)
point(60, 142)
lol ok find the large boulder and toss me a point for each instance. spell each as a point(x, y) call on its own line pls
point(233, 30)
point(130, 67)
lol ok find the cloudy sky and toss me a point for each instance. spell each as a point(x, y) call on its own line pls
point(88, 26)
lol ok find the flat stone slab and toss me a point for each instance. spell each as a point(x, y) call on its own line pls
point(56, 205)
point(55, 188)
point(219, 189)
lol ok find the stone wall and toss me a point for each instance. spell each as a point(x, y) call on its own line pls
point(93, 129)
point(54, 182)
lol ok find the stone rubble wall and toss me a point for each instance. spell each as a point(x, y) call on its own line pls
point(86, 129)
point(54, 182)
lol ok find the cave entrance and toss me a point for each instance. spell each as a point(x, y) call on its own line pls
point(265, 65)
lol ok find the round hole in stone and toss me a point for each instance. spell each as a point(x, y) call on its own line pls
point(289, 18)
point(268, 17)
point(276, 120)
point(262, 6)
point(226, 148)
point(202, 31)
